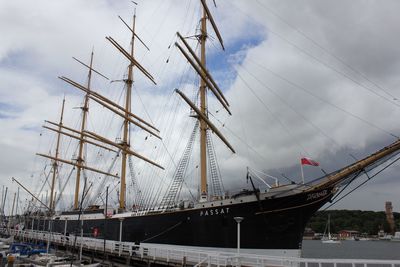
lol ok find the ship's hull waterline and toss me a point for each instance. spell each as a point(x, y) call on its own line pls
point(269, 223)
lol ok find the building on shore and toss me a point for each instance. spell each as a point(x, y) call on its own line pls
point(309, 234)
point(348, 234)
point(390, 217)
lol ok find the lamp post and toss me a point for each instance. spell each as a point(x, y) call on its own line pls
point(120, 229)
point(238, 220)
point(120, 235)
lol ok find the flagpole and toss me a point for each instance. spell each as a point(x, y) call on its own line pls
point(302, 172)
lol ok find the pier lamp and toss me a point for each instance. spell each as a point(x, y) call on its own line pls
point(238, 220)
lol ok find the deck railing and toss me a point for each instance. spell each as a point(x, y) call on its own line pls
point(188, 256)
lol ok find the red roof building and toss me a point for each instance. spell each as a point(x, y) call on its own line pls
point(343, 234)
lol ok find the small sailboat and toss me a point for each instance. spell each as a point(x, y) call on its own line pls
point(328, 239)
point(396, 237)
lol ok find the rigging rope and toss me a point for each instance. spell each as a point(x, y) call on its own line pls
point(324, 49)
point(163, 232)
point(237, 137)
point(384, 168)
point(323, 100)
point(292, 108)
point(272, 114)
point(316, 59)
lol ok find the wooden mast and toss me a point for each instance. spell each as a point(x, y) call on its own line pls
point(126, 139)
point(206, 81)
point(79, 160)
point(55, 165)
point(203, 109)
point(12, 212)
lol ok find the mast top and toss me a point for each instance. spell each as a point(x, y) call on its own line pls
point(214, 26)
point(90, 68)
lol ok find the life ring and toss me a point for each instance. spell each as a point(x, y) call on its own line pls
point(95, 231)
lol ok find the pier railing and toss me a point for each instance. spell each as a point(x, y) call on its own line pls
point(185, 256)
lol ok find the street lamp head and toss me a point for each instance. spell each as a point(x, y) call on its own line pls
point(238, 219)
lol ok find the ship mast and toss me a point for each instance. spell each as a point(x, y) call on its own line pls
point(79, 160)
point(206, 82)
point(55, 165)
point(86, 137)
point(126, 139)
point(203, 110)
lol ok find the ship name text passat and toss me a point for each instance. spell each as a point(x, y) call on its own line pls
point(217, 211)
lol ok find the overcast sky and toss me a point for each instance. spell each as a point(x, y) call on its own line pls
point(303, 78)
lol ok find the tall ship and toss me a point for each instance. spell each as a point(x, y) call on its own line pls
point(272, 218)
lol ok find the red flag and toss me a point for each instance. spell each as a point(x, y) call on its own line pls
point(308, 161)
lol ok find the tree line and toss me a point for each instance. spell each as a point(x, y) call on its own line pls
point(369, 222)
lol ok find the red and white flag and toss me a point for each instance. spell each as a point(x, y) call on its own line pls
point(308, 161)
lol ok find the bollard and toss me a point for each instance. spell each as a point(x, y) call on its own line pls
point(2, 260)
point(10, 260)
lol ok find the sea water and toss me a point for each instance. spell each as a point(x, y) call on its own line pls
point(382, 250)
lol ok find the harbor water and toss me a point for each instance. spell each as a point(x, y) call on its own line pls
point(385, 250)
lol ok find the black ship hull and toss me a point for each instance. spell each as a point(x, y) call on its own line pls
point(274, 222)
